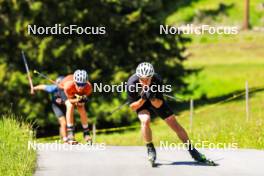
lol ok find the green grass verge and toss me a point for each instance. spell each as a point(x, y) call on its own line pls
point(15, 158)
point(226, 63)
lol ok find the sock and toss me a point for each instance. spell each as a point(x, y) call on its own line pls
point(86, 131)
point(69, 124)
point(190, 147)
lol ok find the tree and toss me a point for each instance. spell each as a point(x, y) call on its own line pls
point(132, 36)
point(246, 23)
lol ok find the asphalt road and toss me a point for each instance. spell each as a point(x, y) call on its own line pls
point(132, 161)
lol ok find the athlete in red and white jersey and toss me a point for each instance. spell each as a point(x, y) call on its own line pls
point(77, 89)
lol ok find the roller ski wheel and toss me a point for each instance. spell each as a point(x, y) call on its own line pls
point(207, 162)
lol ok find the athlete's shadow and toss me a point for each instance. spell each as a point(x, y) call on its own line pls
point(180, 163)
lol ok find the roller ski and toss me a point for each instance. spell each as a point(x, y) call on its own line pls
point(201, 159)
point(151, 154)
point(72, 141)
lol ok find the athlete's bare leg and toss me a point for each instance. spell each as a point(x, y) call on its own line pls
point(177, 128)
point(144, 117)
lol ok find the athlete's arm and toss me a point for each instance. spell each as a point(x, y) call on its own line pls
point(69, 94)
point(133, 97)
point(89, 89)
point(137, 104)
point(47, 88)
point(72, 99)
point(39, 87)
point(157, 99)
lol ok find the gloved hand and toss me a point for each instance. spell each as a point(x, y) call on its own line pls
point(145, 95)
point(78, 97)
point(148, 95)
point(152, 95)
point(84, 99)
point(81, 98)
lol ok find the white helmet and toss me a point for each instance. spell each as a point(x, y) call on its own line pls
point(145, 70)
point(80, 76)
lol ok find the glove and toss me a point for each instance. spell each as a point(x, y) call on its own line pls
point(149, 95)
point(145, 95)
point(152, 95)
point(78, 97)
point(84, 99)
point(81, 98)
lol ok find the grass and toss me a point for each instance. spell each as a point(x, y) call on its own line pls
point(226, 63)
point(232, 15)
point(16, 159)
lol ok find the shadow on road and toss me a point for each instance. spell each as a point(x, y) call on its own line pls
point(180, 163)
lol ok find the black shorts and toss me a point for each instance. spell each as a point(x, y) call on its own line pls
point(164, 111)
point(59, 110)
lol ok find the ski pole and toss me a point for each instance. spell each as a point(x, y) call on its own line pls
point(44, 76)
point(118, 108)
point(173, 98)
point(28, 73)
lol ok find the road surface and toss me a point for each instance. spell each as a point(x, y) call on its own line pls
point(131, 161)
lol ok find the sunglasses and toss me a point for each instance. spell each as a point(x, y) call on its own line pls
point(81, 84)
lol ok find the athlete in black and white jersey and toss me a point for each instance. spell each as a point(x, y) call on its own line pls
point(144, 98)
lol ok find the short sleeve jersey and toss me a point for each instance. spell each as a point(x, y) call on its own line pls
point(133, 81)
point(70, 88)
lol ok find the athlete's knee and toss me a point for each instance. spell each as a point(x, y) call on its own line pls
point(69, 105)
point(144, 117)
point(146, 122)
point(170, 118)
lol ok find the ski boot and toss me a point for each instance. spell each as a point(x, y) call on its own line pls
point(200, 158)
point(151, 154)
point(87, 137)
